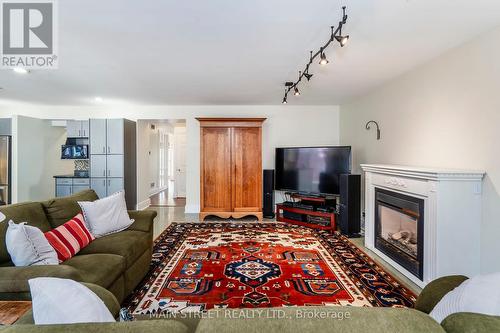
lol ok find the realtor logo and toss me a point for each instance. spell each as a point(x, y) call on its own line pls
point(28, 34)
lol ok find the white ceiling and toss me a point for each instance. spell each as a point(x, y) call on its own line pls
point(239, 52)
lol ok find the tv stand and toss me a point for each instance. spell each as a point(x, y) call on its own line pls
point(313, 211)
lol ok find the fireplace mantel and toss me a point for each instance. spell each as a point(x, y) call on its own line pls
point(452, 212)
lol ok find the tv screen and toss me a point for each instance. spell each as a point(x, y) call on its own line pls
point(74, 152)
point(312, 169)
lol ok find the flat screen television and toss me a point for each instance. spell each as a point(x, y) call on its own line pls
point(312, 170)
point(74, 152)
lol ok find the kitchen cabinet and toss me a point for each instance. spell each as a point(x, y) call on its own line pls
point(77, 128)
point(114, 185)
point(97, 136)
point(63, 190)
point(98, 166)
point(114, 136)
point(67, 186)
point(99, 185)
point(114, 166)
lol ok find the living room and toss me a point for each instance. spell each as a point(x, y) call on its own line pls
point(338, 160)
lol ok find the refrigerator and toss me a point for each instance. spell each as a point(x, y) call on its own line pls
point(5, 170)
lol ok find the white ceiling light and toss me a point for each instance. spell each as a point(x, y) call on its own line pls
point(20, 70)
point(98, 99)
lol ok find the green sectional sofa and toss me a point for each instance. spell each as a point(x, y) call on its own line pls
point(371, 320)
point(117, 262)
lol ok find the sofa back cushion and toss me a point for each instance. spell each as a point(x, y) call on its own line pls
point(61, 210)
point(30, 212)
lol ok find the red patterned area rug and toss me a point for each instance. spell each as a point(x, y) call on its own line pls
point(200, 266)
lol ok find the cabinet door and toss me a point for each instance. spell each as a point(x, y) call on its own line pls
point(63, 190)
point(98, 166)
point(247, 169)
point(99, 185)
point(114, 185)
point(216, 169)
point(84, 128)
point(114, 166)
point(79, 188)
point(97, 136)
point(73, 128)
point(115, 136)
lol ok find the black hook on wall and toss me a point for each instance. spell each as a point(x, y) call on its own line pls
point(376, 124)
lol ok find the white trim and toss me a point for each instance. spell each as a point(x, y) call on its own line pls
point(425, 173)
point(144, 204)
point(192, 209)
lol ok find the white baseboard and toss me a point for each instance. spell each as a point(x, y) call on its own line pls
point(144, 204)
point(157, 190)
point(192, 209)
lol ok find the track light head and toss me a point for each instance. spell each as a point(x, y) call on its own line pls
point(323, 61)
point(308, 76)
point(284, 100)
point(296, 91)
point(342, 40)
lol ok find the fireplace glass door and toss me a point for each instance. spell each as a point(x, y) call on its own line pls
point(399, 224)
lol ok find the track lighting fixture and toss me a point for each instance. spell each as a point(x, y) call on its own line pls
point(323, 60)
point(336, 35)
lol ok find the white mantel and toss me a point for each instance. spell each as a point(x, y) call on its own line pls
point(452, 215)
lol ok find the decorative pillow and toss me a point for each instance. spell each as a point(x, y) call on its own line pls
point(480, 294)
point(64, 301)
point(68, 239)
point(106, 216)
point(27, 246)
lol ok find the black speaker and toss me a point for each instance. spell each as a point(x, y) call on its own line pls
point(350, 204)
point(268, 200)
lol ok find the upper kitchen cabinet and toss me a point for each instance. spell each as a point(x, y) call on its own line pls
point(98, 136)
point(107, 136)
point(114, 136)
point(77, 128)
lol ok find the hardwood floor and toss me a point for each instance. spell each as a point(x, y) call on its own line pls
point(165, 199)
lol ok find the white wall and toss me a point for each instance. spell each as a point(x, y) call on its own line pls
point(286, 125)
point(445, 113)
point(36, 152)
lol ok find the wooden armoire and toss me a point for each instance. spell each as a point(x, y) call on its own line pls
point(231, 167)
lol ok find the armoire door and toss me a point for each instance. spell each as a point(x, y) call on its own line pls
point(216, 170)
point(247, 169)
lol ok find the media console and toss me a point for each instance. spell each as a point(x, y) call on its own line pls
point(315, 212)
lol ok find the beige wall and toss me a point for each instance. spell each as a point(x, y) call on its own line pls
point(286, 125)
point(445, 113)
point(36, 152)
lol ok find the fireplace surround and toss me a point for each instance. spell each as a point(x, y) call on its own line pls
point(445, 207)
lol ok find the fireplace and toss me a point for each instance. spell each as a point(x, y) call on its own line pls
point(399, 229)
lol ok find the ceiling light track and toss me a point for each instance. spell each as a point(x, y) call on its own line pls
point(336, 35)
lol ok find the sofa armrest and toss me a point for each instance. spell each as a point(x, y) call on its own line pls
point(14, 280)
point(143, 220)
point(435, 290)
point(471, 322)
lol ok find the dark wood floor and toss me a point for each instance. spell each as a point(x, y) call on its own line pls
point(163, 199)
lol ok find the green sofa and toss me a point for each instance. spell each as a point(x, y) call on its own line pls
point(284, 320)
point(117, 262)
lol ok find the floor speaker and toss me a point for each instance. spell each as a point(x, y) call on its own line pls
point(268, 200)
point(350, 204)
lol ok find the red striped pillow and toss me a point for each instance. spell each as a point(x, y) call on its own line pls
point(68, 239)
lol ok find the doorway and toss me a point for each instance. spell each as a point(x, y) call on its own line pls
point(161, 162)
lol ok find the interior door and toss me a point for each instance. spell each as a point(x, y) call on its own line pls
point(98, 166)
point(247, 169)
point(97, 136)
point(99, 185)
point(216, 169)
point(180, 165)
point(114, 136)
point(114, 166)
point(114, 185)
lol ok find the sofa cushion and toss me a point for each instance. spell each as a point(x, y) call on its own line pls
point(30, 212)
point(60, 210)
point(100, 269)
point(128, 244)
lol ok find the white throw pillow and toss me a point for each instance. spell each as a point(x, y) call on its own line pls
point(480, 294)
point(106, 216)
point(64, 301)
point(28, 246)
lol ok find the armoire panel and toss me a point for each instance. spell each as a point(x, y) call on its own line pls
point(216, 169)
point(247, 169)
